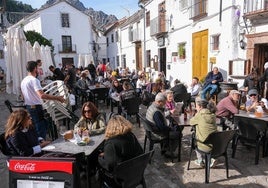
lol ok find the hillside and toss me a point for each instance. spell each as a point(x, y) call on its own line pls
point(16, 10)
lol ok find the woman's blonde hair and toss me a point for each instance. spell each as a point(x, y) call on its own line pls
point(16, 121)
point(117, 125)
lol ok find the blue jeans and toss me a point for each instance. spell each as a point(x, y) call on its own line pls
point(39, 121)
point(211, 88)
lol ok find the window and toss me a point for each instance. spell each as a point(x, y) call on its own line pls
point(215, 42)
point(181, 50)
point(183, 4)
point(66, 43)
point(130, 33)
point(123, 60)
point(116, 36)
point(117, 61)
point(238, 68)
point(107, 41)
point(112, 38)
point(148, 58)
point(198, 9)
point(1, 54)
point(65, 20)
point(148, 19)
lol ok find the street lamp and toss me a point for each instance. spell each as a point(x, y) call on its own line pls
point(144, 34)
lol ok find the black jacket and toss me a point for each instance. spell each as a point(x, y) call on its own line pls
point(119, 149)
point(22, 143)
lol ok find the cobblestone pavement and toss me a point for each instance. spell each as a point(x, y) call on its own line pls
point(161, 173)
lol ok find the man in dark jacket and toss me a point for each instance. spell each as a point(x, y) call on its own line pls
point(212, 81)
point(57, 74)
point(178, 88)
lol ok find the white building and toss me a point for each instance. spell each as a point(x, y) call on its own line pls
point(69, 29)
point(187, 38)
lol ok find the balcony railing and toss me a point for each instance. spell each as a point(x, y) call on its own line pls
point(135, 35)
point(198, 10)
point(256, 6)
point(67, 49)
point(158, 26)
point(256, 11)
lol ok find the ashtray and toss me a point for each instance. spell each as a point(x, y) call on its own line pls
point(81, 143)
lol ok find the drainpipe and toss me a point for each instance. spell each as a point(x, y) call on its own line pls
point(220, 11)
point(144, 35)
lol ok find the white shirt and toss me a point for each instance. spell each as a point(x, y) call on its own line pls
point(29, 86)
point(140, 83)
point(194, 90)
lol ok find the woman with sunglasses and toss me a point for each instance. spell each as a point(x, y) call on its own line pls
point(253, 100)
point(91, 120)
point(21, 136)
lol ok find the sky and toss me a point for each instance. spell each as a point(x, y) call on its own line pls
point(119, 8)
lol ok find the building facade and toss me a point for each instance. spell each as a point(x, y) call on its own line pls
point(186, 38)
point(69, 29)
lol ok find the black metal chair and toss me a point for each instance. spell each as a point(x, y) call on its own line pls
point(127, 174)
point(131, 107)
point(219, 142)
point(11, 107)
point(150, 135)
point(185, 98)
point(3, 145)
point(251, 132)
point(100, 94)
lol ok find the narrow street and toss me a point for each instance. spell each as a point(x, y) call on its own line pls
point(161, 173)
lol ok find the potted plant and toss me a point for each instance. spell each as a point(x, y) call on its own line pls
point(182, 51)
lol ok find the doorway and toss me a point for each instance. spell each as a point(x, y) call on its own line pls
point(139, 56)
point(200, 54)
point(66, 61)
point(162, 60)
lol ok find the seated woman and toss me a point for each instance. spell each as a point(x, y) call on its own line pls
point(205, 122)
point(91, 120)
point(21, 136)
point(120, 143)
point(170, 103)
point(170, 108)
point(115, 89)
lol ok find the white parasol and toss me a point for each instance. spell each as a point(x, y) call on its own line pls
point(15, 56)
point(37, 50)
point(30, 54)
point(46, 59)
point(80, 60)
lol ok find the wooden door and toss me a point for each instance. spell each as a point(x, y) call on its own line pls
point(200, 54)
point(139, 56)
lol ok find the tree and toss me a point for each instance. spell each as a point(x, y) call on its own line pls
point(33, 36)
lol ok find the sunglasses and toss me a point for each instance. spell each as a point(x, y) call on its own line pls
point(253, 95)
point(87, 111)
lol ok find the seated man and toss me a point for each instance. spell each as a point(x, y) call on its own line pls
point(156, 115)
point(227, 107)
point(211, 83)
point(194, 88)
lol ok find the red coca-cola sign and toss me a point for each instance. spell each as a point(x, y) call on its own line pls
point(25, 167)
point(35, 166)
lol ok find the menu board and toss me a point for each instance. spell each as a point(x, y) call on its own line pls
point(39, 184)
